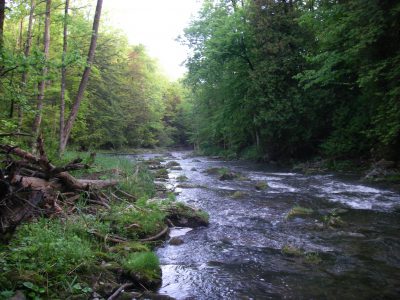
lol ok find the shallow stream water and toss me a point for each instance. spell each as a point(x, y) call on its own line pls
point(241, 255)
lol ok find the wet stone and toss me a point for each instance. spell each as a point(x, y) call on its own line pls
point(175, 241)
point(176, 169)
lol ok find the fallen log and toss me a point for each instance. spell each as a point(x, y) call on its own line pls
point(31, 185)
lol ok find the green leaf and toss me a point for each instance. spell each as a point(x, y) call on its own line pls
point(29, 285)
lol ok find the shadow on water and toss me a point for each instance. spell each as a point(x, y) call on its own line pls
point(346, 245)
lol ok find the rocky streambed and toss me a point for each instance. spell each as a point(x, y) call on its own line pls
point(278, 234)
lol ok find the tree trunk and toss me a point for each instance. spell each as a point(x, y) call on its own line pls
point(84, 80)
point(19, 46)
point(42, 83)
point(27, 51)
point(2, 15)
point(63, 77)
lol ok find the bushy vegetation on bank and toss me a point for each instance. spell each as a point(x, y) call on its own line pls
point(88, 248)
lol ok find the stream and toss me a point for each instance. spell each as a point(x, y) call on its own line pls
point(252, 250)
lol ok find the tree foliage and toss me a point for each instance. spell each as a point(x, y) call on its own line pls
point(293, 79)
point(128, 101)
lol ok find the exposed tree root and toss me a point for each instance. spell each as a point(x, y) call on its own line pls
point(157, 236)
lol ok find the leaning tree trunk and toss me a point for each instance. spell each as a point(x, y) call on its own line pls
point(63, 76)
point(85, 78)
point(42, 83)
point(27, 50)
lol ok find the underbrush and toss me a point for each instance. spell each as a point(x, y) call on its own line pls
point(90, 247)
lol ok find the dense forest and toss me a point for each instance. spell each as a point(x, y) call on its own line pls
point(128, 102)
point(270, 80)
point(295, 79)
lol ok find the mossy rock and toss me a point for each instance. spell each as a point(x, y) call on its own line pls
point(261, 185)
point(182, 178)
point(161, 173)
point(186, 216)
point(176, 169)
point(312, 258)
point(175, 241)
point(228, 176)
point(238, 195)
point(290, 250)
point(172, 163)
point(213, 171)
point(154, 162)
point(299, 211)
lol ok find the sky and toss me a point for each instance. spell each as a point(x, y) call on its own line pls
point(156, 24)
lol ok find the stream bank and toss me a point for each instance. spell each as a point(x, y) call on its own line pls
point(92, 249)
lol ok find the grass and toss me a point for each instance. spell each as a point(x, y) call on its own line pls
point(44, 256)
point(147, 220)
point(299, 211)
point(145, 264)
point(58, 258)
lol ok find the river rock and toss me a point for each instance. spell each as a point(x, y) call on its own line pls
point(176, 169)
point(175, 241)
point(238, 195)
point(171, 164)
point(261, 185)
point(228, 176)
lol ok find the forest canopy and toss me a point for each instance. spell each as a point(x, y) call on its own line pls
point(278, 79)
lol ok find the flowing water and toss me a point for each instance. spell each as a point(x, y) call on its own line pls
point(251, 250)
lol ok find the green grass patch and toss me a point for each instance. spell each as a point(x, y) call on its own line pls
point(136, 221)
point(143, 263)
point(44, 256)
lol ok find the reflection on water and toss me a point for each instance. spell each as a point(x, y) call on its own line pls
point(241, 254)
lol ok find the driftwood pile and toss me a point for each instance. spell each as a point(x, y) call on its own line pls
point(30, 186)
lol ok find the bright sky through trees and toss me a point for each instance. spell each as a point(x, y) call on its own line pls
point(155, 24)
